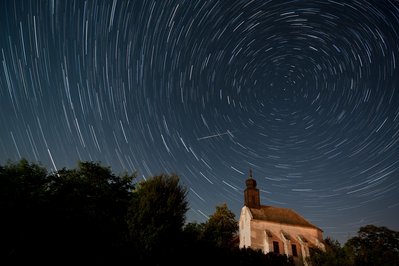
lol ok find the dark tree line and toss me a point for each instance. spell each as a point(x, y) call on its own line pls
point(89, 215)
point(66, 217)
point(373, 246)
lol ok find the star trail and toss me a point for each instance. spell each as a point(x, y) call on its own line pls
point(304, 93)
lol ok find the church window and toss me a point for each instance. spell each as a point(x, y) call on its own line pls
point(294, 251)
point(276, 247)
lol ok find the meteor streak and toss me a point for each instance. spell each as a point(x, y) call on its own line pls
point(216, 135)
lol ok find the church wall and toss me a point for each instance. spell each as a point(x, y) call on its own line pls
point(260, 240)
point(245, 228)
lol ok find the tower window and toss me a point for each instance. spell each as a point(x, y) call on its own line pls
point(276, 247)
point(294, 251)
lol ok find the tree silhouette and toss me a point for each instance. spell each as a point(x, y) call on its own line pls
point(156, 217)
point(374, 245)
point(66, 217)
point(222, 227)
point(90, 215)
point(23, 201)
point(334, 254)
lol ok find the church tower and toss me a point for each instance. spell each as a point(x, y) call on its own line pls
point(251, 193)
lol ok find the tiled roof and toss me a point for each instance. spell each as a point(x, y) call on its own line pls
point(280, 215)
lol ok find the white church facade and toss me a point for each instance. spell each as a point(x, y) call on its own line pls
point(274, 229)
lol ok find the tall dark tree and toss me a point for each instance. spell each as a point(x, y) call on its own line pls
point(221, 227)
point(23, 187)
point(156, 217)
point(90, 203)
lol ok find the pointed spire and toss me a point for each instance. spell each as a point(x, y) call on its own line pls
point(250, 173)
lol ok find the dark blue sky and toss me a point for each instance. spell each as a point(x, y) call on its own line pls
point(304, 93)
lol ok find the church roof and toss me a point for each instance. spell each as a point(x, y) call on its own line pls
point(280, 215)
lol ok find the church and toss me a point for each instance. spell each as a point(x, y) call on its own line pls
point(274, 229)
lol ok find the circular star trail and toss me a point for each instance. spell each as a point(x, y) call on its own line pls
point(304, 93)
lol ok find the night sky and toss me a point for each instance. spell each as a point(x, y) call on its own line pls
point(304, 93)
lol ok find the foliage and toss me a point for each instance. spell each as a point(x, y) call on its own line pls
point(90, 202)
point(156, 216)
point(334, 254)
point(70, 214)
point(374, 246)
point(90, 215)
point(194, 231)
point(221, 227)
point(23, 188)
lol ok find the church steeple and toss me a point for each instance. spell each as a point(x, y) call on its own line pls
point(251, 193)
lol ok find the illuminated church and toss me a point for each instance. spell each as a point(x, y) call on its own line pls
point(274, 229)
